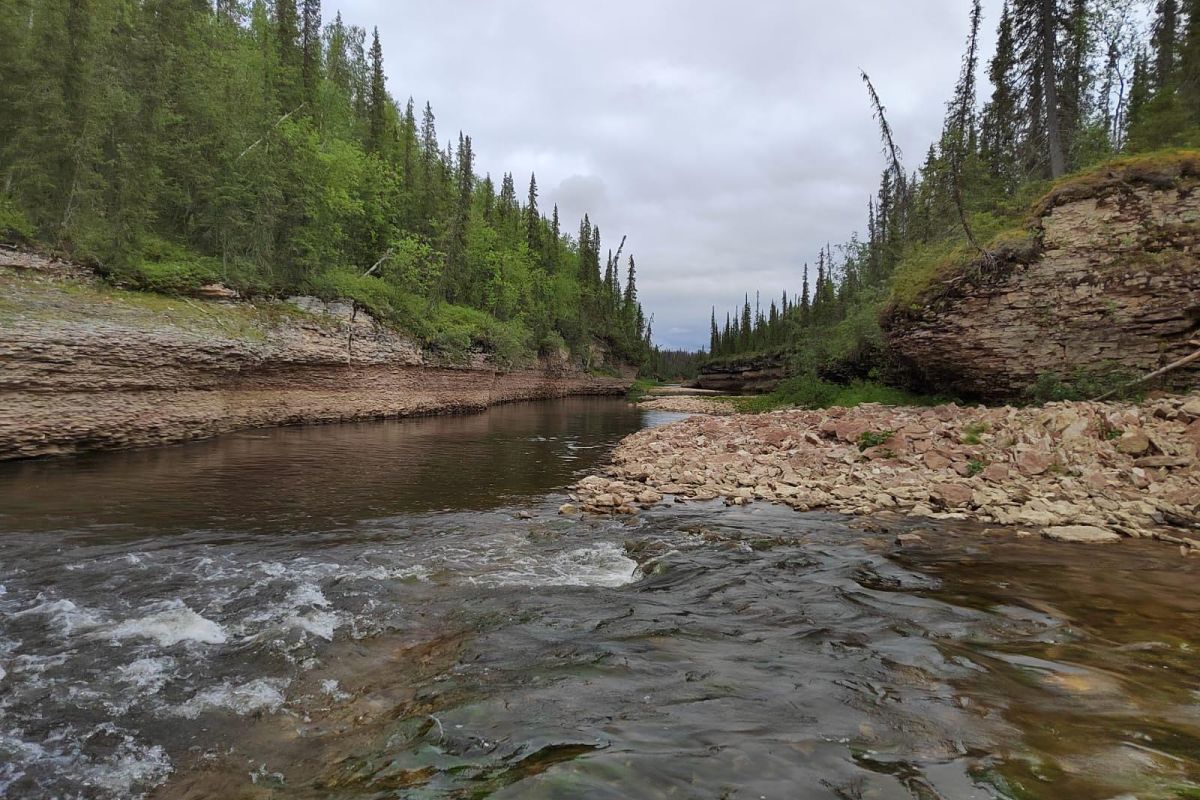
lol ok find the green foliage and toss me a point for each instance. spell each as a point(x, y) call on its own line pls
point(973, 432)
point(1087, 384)
point(975, 466)
point(808, 391)
point(164, 267)
point(15, 227)
point(869, 439)
point(641, 387)
point(179, 144)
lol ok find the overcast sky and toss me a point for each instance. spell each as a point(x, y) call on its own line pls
point(729, 141)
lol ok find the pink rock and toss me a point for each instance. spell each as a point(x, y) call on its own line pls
point(950, 495)
point(934, 460)
point(995, 472)
point(1033, 463)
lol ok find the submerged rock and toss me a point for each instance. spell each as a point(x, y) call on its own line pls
point(1081, 534)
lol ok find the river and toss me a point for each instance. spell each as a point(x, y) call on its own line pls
point(362, 611)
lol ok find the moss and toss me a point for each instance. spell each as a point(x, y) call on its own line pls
point(927, 271)
point(1162, 169)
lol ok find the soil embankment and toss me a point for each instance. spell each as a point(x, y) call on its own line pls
point(1075, 471)
point(85, 367)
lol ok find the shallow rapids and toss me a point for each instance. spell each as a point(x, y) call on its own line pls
point(361, 611)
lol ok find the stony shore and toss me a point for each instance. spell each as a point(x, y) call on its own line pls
point(688, 405)
point(85, 367)
point(1086, 472)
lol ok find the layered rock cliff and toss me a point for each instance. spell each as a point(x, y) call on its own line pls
point(84, 367)
point(751, 375)
point(1108, 281)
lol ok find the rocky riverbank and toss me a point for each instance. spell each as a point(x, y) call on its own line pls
point(689, 405)
point(1092, 472)
point(86, 367)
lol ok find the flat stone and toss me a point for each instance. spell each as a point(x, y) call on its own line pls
point(567, 509)
point(1081, 534)
point(1191, 408)
point(1133, 443)
point(908, 539)
point(950, 495)
point(1157, 462)
point(935, 460)
point(1033, 463)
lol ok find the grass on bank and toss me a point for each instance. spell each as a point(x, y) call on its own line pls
point(810, 392)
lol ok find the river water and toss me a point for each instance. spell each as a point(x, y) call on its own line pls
point(360, 611)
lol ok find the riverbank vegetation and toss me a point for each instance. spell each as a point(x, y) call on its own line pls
point(1073, 85)
point(256, 145)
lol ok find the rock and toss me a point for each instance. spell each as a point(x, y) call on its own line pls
point(909, 539)
point(568, 509)
point(997, 473)
point(1081, 534)
point(1133, 443)
point(1159, 462)
point(215, 291)
point(1192, 435)
point(524, 515)
point(1191, 408)
point(1033, 463)
point(935, 461)
point(950, 495)
point(649, 497)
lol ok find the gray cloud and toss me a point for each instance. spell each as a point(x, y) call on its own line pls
point(729, 141)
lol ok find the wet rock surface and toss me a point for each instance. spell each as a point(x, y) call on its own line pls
point(1066, 467)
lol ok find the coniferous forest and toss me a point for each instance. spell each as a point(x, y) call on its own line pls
point(1073, 84)
point(173, 143)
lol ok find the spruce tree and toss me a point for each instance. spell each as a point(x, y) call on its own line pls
point(311, 46)
point(378, 99)
point(533, 220)
point(1037, 27)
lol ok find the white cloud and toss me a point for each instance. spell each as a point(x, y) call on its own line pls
point(728, 141)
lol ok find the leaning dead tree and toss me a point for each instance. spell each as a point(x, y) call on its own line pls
point(890, 150)
point(1174, 365)
point(962, 122)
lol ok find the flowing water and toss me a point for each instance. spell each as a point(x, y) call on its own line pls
point(361, 611)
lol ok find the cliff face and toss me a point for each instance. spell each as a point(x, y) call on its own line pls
point(1109, 281)
point(85, 368)
point(755, 375)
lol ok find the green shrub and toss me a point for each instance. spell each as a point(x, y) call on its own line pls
point(1086, 384)
point(869, 439)
point(164, 267)
point(973, 432)
point(15, 227)
point(809, 391)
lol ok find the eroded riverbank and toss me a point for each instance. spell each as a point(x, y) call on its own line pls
point(88, 368)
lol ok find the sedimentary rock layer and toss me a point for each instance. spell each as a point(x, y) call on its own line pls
point(1108, 282)
point(85, 368)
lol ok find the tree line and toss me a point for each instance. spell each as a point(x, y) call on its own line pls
point(1073, 83)
point(178, 142)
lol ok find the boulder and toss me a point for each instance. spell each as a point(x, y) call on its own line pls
point(1133, 443)
point(950, 495)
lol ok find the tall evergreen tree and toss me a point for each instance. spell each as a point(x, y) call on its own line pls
point(378, 100)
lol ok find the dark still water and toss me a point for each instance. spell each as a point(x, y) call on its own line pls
point(357, 611)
